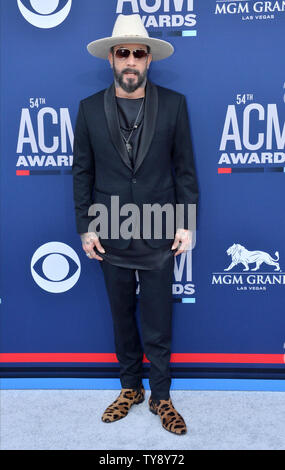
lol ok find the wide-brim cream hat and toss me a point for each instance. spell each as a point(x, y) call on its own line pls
point(130, 29)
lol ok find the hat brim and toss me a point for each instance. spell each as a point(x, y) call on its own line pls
point(159, 49)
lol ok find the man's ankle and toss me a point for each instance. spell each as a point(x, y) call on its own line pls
point(133, 387)
point(157, 400)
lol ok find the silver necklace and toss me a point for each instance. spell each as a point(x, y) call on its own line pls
point(128, 145)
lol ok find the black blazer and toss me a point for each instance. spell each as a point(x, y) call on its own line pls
point(164, 169)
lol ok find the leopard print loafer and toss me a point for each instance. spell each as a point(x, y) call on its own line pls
point(171, 420)
point(120, 407)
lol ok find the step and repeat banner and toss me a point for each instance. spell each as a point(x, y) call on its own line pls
point(228, 293)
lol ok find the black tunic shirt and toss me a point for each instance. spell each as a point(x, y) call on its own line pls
point(138, 255)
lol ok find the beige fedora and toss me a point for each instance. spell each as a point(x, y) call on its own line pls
point(130, 29)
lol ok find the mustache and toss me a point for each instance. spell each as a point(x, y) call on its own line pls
point(136, 72)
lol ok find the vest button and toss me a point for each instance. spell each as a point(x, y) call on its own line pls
point(134, 180)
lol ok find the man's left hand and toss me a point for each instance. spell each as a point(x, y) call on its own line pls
point(184, 237)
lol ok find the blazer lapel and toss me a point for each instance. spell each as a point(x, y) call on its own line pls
point(149, 123)
point(110, 107)
point(150, 116)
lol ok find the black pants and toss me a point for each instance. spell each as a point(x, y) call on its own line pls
point(156, 323)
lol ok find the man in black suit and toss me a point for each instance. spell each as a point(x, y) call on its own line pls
point(155, 166)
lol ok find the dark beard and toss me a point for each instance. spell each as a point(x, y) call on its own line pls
point(131, 85)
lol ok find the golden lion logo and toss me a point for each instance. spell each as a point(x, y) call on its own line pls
point(240, 254)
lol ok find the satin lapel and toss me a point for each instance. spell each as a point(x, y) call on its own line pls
point(150, 115)
point(110, 107)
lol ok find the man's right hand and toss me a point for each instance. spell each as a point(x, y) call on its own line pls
point(89, 240)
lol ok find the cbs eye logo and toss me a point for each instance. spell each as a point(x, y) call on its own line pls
point(46, 13)
point(55, 267)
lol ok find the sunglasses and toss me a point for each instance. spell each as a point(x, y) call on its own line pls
point(124, 53)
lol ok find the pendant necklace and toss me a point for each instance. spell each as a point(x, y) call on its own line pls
point(128, 145)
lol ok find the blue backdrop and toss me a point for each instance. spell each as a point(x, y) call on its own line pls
point(228, 294)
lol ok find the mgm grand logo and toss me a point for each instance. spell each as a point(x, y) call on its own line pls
point(242, 6)
point(243, 261)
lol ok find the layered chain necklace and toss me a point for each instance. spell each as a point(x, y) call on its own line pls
point(127, 141)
